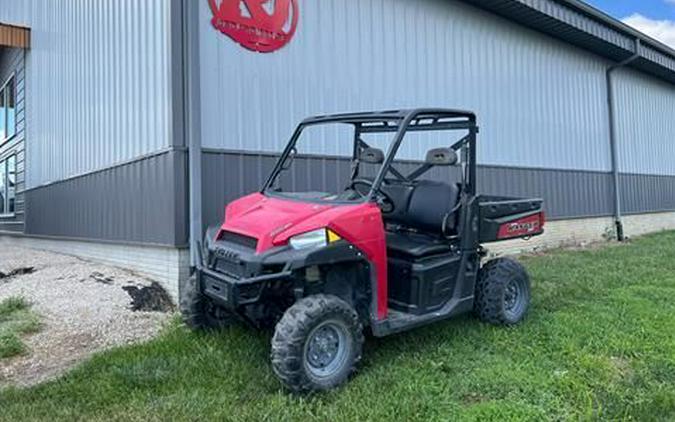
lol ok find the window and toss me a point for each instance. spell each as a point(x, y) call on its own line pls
point(7, 110)
point(8, 186)
point(3, 116)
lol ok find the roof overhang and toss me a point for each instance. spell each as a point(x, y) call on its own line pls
point(14, 36)
point(577, 23)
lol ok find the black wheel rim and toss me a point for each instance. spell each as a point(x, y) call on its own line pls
point(515, 299)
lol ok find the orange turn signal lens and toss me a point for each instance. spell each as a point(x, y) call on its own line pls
point(332, 236)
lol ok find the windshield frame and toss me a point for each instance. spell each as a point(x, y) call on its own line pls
point(405, 121)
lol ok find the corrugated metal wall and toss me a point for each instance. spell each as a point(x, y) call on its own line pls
point(541, 102)
point(12, 61)
point(646, 124)
point(142, 202)
point(98, 82)
point(566, 193)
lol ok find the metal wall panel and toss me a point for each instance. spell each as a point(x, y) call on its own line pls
point(12, 62)
point(98, 82)
point(140, 202)
point(646, 124)
point(643, 193)
point(567, 193)
point(540, 102)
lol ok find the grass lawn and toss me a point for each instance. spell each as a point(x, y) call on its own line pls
point(16, 319)
point(599, 343)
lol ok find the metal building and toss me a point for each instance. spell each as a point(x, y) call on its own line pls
point(126, 126)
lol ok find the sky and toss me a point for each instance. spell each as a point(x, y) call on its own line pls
point(655, 18)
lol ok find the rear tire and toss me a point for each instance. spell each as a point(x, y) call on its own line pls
point(199, 312)
point(317, 344)
point(502, 292)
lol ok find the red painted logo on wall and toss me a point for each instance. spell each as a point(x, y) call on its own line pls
point(258, 25)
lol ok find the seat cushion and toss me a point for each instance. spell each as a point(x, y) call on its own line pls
point(432, 203)
point(415, 245)
point(430, 208)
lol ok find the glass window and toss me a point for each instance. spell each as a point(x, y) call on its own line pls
point(11, 184)
point(3, 187)
point(8, 186)
point(3, 115)
point(7, 110)
point(10, 93)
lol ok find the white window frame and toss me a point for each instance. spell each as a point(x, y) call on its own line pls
point(12, 77)
point(4, 167)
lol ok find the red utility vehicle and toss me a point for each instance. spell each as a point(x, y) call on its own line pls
point(396, 246)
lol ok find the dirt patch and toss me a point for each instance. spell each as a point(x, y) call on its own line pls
point(83, 307)
point(623, 367)
point(17, 272)
point(152, 298)
point(473, 398)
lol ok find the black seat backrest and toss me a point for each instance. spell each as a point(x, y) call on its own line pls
point(432, 203)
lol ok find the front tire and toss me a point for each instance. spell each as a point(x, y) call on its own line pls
point(317, 344)
point(502, 292)
point(199, 312)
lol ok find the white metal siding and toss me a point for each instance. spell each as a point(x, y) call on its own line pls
point(12, 64)
point(97, 82)
point(646, 124)
point(540, 102)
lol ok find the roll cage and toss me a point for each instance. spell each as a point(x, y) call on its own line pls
point(399, 122)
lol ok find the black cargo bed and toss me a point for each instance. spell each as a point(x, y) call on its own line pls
point(503, 218)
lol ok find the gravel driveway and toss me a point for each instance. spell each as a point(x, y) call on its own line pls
point(83, 306)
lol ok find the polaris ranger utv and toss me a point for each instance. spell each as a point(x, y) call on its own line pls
point(389, 250)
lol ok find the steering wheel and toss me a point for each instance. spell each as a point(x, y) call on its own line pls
point(383, 200)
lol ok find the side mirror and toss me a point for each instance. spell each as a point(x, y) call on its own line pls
point(372, 156)
point(442, 157)
point(289, 159)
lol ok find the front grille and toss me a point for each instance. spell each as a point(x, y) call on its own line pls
point(250, 291)
point(233, 269)
point(240, 239)
point(229, 262)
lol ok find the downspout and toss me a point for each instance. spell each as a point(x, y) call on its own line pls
point(613, 141)
point(191, 110)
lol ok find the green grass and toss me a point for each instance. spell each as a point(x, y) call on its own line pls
point(16, 319)
point(599, 344)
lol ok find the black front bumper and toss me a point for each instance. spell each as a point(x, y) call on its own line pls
point(231, 292)
point(233, 275)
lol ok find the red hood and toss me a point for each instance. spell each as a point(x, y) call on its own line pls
point(273, 221)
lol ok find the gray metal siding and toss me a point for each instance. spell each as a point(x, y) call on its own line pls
point(98, 82)
point(139, 202)
point(12, 62)
point(567, 193)
point(646, 124)
point(540, 102)
point(647, 193)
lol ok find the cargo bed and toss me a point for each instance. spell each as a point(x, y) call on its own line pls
point(504, 218)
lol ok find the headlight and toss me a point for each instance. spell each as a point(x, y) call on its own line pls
point(314, 239)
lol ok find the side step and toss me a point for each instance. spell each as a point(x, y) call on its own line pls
point(398, 321)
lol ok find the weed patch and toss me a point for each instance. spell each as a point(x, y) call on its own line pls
point(16, 320)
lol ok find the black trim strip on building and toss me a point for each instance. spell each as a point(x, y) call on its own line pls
point(139, 202)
